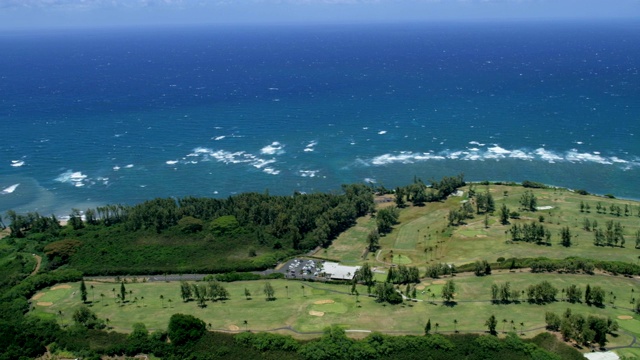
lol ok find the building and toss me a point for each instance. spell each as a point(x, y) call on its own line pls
point(336, 271)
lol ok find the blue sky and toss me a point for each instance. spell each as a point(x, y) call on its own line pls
point(114, 13)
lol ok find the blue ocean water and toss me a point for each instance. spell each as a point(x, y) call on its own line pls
point(120, 116)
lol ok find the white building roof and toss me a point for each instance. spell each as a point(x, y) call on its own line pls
point(337, 271)
point(608, 355)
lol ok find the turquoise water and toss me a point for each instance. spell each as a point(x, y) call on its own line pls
point(117, 116)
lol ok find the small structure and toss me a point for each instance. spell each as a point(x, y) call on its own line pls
point(336, 271)
point(607, 355)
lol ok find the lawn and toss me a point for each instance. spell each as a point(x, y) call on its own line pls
point(317, 305)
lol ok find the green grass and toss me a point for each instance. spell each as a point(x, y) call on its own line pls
point(342, 309)
point(351, 244)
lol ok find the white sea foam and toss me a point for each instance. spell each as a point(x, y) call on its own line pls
point(382, 132)
point(475, 143)
point(17, 163)
point(274, 149)
point(497, 153)
point(75, 178)
point(369, 180)
point(9, 189)
point(129, 166)
point(116, 168)
point(271, 171)
point(219, 137)
point(171, 162)
point(308, 173)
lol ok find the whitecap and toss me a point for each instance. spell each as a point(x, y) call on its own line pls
point(17, 163)
point(271, 171)
point(475, 143)
point(9, 189)
point(308, 173)
point(549, 156)
point(171, 162)
point(219, 137)
point(308, 149)
point(519, 154)
point(273, 149)
point(116, 168)
point(369, 180)
point(128, 166)
point(382, 132)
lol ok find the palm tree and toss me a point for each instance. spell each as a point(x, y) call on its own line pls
point(631, 301)
point(162, 300)
point(513, 326)
point(302, 290)
point(101, 297)
point(437, 326)
point(504, 323)
point(287, 287)
point(521, 328)
point(455, 326)
point(246, 324)
point(169, 303)
point(93, 294)
point(142, 299)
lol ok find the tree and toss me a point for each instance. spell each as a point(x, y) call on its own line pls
point(247, 293)
point(184, 329)
point(597, 296)
point(185, 291)
point(162, 300)
point(373, 240)
point(427, 327)
point(504, 214)
point(455, 326)
point(491, 324)
point(123, 291)
point(302, 286)
point(528, 201)
point(86, 318)
point(83, 291)
point(448, 291)
point(565, 236)
point(494, 292)
point(269, 292)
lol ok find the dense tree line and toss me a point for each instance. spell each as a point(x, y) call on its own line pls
point(403, 275)
point(532, 232)
point(583, 330)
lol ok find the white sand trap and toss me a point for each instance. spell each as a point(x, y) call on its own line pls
point(58, 287)
point(316, 313)
point(320, 302)
point(625, 317)
point(439, 282)
point(234, 327)
point(44, 303)
point(38, 296)
point(544, 207)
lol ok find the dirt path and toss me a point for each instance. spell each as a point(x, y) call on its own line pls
point(38, 263)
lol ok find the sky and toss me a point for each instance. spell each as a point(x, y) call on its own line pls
point(33, 14)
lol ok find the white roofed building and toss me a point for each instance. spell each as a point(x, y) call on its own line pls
point(339, 272)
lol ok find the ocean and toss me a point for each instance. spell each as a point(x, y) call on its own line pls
point(97, 116)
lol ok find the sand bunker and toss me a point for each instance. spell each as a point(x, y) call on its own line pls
point(234, 327)
point(439, 282)
point(544, 207)
point(320, 302)
point(44, 303)
point(58, 287)
point(420, 287)
point(38, 296)
point(316, 313)
point(625, 317)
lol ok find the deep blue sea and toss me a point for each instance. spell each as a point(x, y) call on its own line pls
point(90, 117)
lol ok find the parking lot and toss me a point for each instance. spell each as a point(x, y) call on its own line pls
point(302, 269)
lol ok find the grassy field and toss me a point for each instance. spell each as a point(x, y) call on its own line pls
point(318, 305)
point(423, 236)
